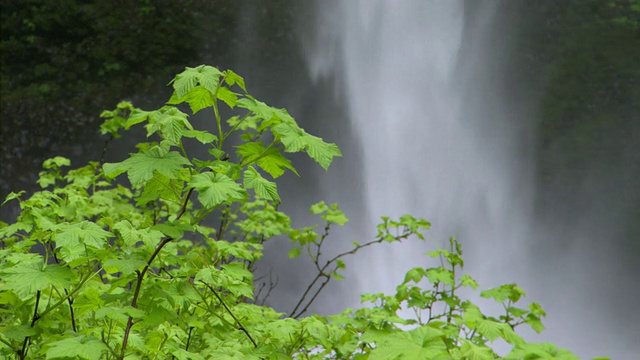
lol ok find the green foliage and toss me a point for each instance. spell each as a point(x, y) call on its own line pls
point(96, 268)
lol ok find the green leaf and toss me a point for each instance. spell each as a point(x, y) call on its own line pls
point(232, 78)
point(295, 139)
point(504, 292)
point(56, 162)
point(535, 323)
point(141, 167)
point(229, 97)
point(74, 239)
point(472, 351)
point(294, 253)
point(125, 266)
point(547, 351)
point(204, 137)
point(422, 343)
point(207, 76)
point(214, 189)
point(79, 347)
point(414, 275)
point(268, 159)
point(264, 188)
point(12, 196)
point(26, 279)
point(492, 329)
point(467, 280)
point(131, 236)
point(441, 275)
point(19, 332)
point(198, 98)
point(174, 230)
point(171, 123)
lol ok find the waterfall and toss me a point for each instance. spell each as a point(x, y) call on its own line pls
point(442, 132)
point(437, 141)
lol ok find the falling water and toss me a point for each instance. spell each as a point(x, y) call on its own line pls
point(437, 140)
point(430, 107)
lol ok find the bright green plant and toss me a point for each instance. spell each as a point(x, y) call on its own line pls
point(162, 265)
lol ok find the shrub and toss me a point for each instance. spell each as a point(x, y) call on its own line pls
point(162, 265)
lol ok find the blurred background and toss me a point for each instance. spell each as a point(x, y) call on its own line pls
point(512, 125)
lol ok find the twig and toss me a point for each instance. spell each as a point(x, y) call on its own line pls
point(23, 353)
point(141, 274)
point(321, 273)
point(244, 330)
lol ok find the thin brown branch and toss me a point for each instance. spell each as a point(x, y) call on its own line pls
point(141, 274)
point(23, 352)
point(240, 326)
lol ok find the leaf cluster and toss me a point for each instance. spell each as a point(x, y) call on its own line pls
point(98, 267)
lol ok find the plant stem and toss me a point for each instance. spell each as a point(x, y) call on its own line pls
point(244, 330)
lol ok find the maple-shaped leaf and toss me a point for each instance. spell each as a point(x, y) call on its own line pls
point(232, 78)
point(422, 343)
point(229, 97)
point(207, 76)
point(125, 266)
point(296, 139)
point(540, 351)
point(160, 187)
point(26, 279)
point(74, 239)
point(79, 347)
point(138, 116)
point(269, 160)
point(131, 236)
point(171, 123)
point(141, 167)
point(472, 351)
point(198, 98)
point(264, 188)
point(214, 189)
point(257, 107)
point(204, 137)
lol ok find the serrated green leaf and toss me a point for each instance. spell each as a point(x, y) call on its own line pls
point(142, 166)
point(74, 239)
point(131, 236)
point(231, 78)
point(414, 275)
point(422, 343)
point(79, 347)
point(294, 253)
point(472, 351)
point(229, 97)
point(268, 159)
point(26, 279)
point(214, 189)
point(504, 292)
point(540, 351)
point(467, 280)
point(441, 275)
point(204, 137)
point(182, 354)
point(56, 162)
point(138, 115)
point(207, 76)
point(18, 332)
point(127, 266)
point(12, 196)
point(171, 123)
point(535, 323)
point(263, 188)
point(295, 139)
point(160, 187)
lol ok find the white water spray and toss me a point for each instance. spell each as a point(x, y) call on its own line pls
point(435, 142)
